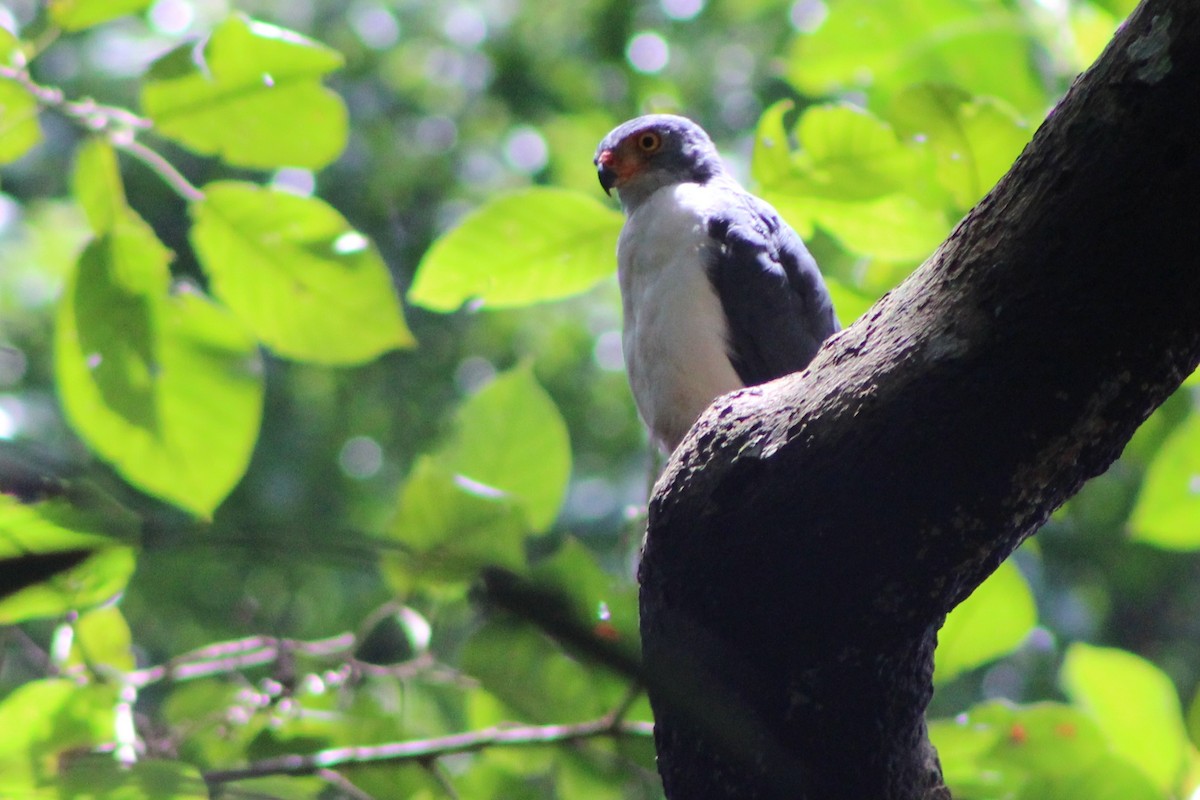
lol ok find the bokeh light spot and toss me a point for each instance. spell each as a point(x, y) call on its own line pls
point(808, 15)
point(648, 52)
point(361, 457)
point(296, 181)
point(465, 26)
point(375, 25)
point(525, 150)
point(607, 352)
point(682, 9)
point(172, 17)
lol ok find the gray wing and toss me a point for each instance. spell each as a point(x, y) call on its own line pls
point(775, 300)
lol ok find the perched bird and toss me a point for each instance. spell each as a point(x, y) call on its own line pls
point(718, 292)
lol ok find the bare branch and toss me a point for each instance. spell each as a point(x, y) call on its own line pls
point(119, 125)
point(424, 750)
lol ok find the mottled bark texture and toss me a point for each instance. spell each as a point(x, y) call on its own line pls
point(808, 537)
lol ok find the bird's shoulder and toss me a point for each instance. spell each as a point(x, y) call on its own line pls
point(774, 297)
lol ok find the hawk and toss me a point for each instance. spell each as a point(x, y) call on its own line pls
point(718, 292)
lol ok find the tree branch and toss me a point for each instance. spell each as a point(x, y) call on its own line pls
point(423, 750)
point(119, 125)
point(224, 658)
point(808, 537)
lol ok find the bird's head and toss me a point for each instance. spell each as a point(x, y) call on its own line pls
point(641, 156)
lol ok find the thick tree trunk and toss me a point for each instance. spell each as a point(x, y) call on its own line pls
point(809, 536)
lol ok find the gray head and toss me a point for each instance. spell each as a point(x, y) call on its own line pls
point(641, 156)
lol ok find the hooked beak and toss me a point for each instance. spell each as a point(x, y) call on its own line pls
point(605, 171)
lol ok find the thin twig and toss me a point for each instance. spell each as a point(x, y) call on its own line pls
point(233, 656)
point(426, 749)
point(118, 125)
point(123, 140)
point(223, 658)
point(631, 695)
point(435, 769)
point(343, 784)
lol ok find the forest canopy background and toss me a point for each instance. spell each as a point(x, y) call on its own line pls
point(307, 316)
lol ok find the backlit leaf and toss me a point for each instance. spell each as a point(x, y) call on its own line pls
point(74, 15)
point(450, 527)
point(511, 436)
point(19, 130)
point(527, 247)
point(45, 720)
point(255, 101)
point(97, 542)
point(299, 276)
point(1167, 511)
point(893, 228)
point(993, 621)
point(167, 388)
point(1136, 706)
point(995, 749)
point(983, 46)
point(103, 641)
point(96, 184)
point(974, 140)
point(846, 153)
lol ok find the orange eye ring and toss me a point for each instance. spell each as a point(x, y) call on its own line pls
point(649, 141)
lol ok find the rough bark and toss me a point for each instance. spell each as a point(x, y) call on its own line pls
point(808, 537)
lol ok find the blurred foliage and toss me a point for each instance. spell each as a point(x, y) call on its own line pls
point(249, 491)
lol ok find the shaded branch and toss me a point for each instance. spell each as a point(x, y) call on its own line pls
point(423, 750)
point(234, 656)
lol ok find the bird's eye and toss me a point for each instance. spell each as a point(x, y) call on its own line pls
point(649, 141)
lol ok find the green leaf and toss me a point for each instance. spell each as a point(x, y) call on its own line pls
point(96, 184)
point(75, 15)
point(102, 778)
point(168, 389)
point(19, 129)
point(1136, 706)
point(96, 542)
point(279, 787)
point(533, 677)
point(892, 228)
point(974, 140)
point(1167, 511)
point(990, 623)
point(847, 153)
point(522, 248)
point(1092, 29)
point(302, 279)
point(1110, 778)
point(11, 52)
point(103, 641)
point(611, 604)
point(256, 100)
point(771, 161)
point(983, 46)
point(510, 436)
point(42, 721)
point(774, 170)
point(452, 526)
point(995, 748)
point(501, 475)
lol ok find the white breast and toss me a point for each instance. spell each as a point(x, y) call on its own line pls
point(674, 333)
